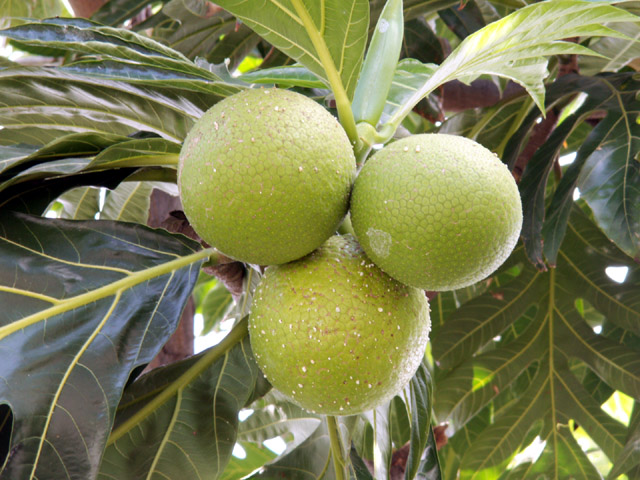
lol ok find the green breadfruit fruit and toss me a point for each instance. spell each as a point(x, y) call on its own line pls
point(265, 176)
point(335, 333)
point(436, 211)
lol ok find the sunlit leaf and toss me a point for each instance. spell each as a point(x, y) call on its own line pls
point(16, 11)
point(128, 202)
point(80, 203)
point(616, 52)
point(327, 37)
point(517, 46)
point(382, 447)
point(255, 458)
point(215, 306)
point(276, 416)
point(409, 76)
point(630, 456)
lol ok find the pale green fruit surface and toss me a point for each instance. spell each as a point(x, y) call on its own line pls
point(436, 211)
point(335, 333)
point(265, 176)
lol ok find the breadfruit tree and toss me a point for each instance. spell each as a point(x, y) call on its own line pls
point(478, 319)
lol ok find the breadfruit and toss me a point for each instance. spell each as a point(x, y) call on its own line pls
point(436, 211)
point(265, 176)
point(335, 333)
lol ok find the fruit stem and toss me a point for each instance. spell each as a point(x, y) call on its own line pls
point(339, 463)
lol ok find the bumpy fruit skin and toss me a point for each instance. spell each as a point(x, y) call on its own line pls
point(436, 211)
point(335, 333)
point(265, 176)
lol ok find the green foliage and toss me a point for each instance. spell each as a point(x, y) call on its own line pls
point(182, 419)
point(527, 357)
point(499, 345)
point(88, 317)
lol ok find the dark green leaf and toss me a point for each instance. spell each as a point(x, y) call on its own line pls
point(34, 196)
point(480, 366)
point(234, 47)
point(72, 145)
point(90, 301)
point(359, 468)
point(116, 12)
point(463, 19)
point(180, 421)
point(152, 76)
point(533, 187)
point(606, 157)
point(430, 464)
point(421, 43)
point(192, 31)
point(610, 179)
point(94, 39)
point(605, 167)
point(415, 8)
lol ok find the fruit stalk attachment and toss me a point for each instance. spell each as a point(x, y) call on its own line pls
point(337, 452)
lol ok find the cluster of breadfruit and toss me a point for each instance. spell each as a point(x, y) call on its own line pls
point(340, 323)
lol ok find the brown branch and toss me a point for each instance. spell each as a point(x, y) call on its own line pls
point(180, 344)
point(539, 136)
point(541, 132)
point(85, 8)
